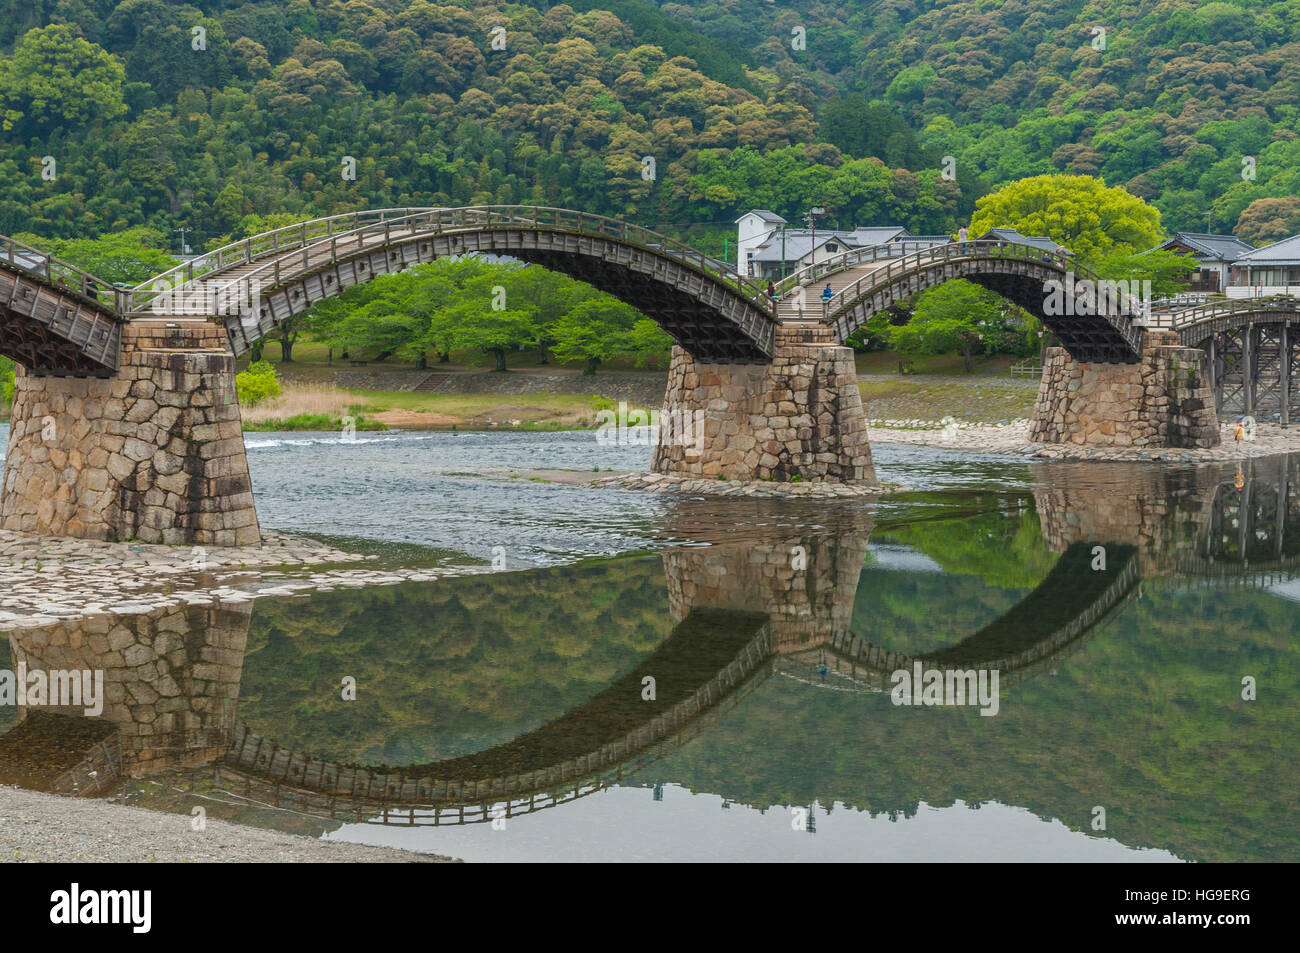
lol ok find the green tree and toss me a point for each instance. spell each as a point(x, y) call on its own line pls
point(957, 316)
point(55, 75)
point(1077, 211)
point(130, 257)
point(257, 384)
point(1167, 271)
point(477, 328)
point(595, 330)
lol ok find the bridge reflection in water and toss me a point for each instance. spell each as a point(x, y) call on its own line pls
point(773, 593)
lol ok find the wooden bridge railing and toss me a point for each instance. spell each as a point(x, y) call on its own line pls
point(1189, 317)
point(898, 267)
point(846, 260)
point(63, 276)
point(340, 236)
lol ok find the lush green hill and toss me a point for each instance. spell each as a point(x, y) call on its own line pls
point(1181, 93)
point(438, 106)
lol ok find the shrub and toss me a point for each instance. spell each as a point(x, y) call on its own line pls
point(257, 384)
point(6, 384)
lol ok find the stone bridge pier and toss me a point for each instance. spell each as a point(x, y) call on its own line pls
point(155, 454)
point(798, 416)
point(1164, 400)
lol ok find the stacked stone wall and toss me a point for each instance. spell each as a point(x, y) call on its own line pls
point(805, 585)
point(799, 416)
point(1165, 400)
point(171, 679)
point(155, 454)
point(1163, 513)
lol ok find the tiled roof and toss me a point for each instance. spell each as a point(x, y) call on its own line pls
point(798, 241)
point(1035, 241)
point(1284, 252)
point(765, 215)
point(1216, 247)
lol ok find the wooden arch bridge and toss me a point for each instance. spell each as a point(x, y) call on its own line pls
point(711, 310)
point(139, 382)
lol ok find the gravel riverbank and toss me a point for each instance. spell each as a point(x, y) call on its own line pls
point(43, 828)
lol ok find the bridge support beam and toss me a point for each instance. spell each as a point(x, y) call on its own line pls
point(799, 416)
point(155, 454)
point(1165, 400)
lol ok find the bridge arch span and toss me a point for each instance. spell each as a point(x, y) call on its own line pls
point(711, 310)
point(54, 317)
point(888, 274)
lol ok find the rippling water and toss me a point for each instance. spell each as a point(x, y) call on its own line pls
point(453, 490)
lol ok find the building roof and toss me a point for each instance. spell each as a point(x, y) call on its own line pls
point(1283, 252)
point(765, 215)
point(799, 241)
point(1035, 241)
point(1211, 247)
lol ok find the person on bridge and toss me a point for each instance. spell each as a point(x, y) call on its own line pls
point(827, 294)
point(771, 291)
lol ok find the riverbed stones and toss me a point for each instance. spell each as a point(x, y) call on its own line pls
point(156, 454)
point(1164, 400)
point(797, 418)
point(762, 489)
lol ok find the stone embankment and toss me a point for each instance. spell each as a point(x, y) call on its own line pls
point(44, 580)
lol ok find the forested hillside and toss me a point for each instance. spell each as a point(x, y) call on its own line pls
point(145, 112)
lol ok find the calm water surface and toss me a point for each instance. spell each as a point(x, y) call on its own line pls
point(631, 693)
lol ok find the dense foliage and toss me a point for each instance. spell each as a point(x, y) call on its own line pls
point(257, 384)
point(562, 106)
point(483, 308)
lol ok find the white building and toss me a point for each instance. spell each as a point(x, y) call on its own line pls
point(1271, 270)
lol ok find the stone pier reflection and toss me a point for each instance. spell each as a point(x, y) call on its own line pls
point(170, 683)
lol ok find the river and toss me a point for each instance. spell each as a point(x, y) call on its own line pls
point(1127, 612)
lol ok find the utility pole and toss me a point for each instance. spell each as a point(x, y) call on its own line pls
point(812, 221)
point(182, 230)
point(782, 251)
point(1209, 214)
